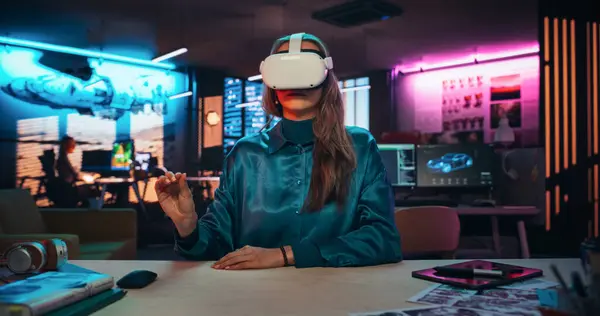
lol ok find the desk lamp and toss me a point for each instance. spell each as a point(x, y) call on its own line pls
point(504, 134)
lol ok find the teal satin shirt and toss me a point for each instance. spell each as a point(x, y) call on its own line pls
point(264, 183)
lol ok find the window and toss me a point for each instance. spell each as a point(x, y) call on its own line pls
point(356, 101)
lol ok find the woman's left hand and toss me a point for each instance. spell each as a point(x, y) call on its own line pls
point(251, 258)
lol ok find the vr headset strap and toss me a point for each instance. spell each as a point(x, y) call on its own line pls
point(296, 42)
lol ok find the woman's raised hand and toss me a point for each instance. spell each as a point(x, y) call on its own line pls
point(175, 198)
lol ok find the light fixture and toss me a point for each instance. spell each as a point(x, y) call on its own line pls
point(473, 59)
point(82, 52)
point(359, 88)
point(255, 78)
point(212, 118)
point(172, 54)
point(243, 105)
point(180, 95)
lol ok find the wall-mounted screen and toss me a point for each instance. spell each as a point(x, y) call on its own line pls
point(454, 165)
point(399, 162)
point(47, 95)
point(234, 94)
point(232, 113)
point(254, 115)
point(142, 161)
point(96, 161)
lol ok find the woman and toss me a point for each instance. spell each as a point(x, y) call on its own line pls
point(308, 192)
point(70, 194)
point(65, 169)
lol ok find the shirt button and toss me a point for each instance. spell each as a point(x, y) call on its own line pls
point(297, 212)
point(298, 182)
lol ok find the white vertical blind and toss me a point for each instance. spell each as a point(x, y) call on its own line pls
point(356, 102)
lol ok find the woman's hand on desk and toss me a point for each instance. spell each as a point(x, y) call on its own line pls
point(250, 257)
point(175, 198)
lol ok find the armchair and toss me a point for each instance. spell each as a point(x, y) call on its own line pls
point(107, 234)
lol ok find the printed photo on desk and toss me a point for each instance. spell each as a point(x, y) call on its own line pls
point(431, 311)
point(515, 299)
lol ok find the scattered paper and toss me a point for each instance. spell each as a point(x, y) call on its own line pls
point(431, 311)
point(441, 295)
point(533, 284)
point(520, 299)
point(499, 305)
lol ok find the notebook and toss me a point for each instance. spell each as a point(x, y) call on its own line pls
point(480, 283)
point(72, 291)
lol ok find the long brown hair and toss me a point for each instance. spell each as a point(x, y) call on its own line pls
point(334, 159)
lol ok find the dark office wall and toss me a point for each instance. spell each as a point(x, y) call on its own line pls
point(208, 82)
point(382, 117)
point(569, 118)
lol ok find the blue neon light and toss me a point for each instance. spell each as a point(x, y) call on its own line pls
point(83, 52)
point(113, 90)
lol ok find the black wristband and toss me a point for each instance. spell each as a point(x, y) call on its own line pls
point(285, 258)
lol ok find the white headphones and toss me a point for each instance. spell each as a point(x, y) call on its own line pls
point(33, 256)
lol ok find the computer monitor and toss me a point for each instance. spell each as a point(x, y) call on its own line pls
point(96, 161)
point(399, 161)
point(142, 161)
point(212, 158)
point(454, 166)
point(122, 156)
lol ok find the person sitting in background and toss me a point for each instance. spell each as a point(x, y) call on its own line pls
point(67, 174)
point(308, 192)
point(65, 169)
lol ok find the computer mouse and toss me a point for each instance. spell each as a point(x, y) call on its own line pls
point(137, 279)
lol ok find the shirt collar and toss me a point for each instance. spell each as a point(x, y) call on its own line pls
point(301, 134)
point(276, 139)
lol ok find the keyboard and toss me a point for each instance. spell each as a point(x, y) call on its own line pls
point(414, 203)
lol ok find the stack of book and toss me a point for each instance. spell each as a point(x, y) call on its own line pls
point(58, 293)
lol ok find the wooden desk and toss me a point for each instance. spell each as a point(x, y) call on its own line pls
point(494, 213)
point(203, 179)
point(193, 288)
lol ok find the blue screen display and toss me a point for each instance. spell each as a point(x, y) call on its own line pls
point(232, 113)
point(232, 122)
point(47, 95)
point(254, 115)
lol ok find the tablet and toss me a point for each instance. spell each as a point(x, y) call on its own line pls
point(480, 283)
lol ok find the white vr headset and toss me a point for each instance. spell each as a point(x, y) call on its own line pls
point(295, 69)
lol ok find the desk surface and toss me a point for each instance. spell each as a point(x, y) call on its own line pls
point(203, 178)
point(193, 288)
point(111, 180)
point(491, 211)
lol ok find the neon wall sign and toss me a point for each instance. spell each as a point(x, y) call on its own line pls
point(473, 59)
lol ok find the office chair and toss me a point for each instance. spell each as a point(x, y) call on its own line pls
point(428, 232)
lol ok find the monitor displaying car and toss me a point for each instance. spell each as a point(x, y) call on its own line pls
point(454, 165)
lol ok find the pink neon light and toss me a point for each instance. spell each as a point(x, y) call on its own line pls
point(468, 60)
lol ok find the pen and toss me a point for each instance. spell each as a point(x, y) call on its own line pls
point(574, 303)
point(470, 273)
point(578, 284)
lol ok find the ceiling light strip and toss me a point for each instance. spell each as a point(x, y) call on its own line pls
point(82, 52)
point(473, 59)
point(172, 54)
